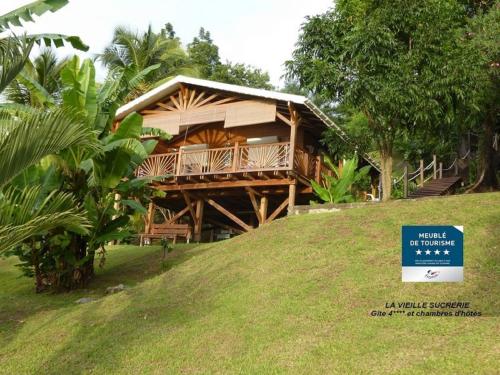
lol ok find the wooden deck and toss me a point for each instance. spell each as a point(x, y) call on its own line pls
point(265, 160)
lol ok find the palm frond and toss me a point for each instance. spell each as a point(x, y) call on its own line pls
point(14, 53)
point(29, 212)
point(25, 13)
point(38, 134)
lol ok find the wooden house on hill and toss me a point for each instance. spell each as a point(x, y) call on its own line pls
point(238, 156)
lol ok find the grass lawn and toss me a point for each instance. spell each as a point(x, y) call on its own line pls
point(291, 297)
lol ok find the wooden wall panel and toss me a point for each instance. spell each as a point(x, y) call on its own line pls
point(203, 115)
point(249, 112)
point(215, 135)
point(168, 122)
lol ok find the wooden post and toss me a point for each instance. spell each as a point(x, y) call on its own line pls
point(434, 165)
point(306, 164)
point(405, 182)
point(319, 164)
point(200, 203)
point(179, 163)
point(294, 121)
point(456, 166)
point(440, 169)
point(291, 150)
point(235, 156)
point(421, 172)
point(263, 209)
point(149, 217)
point(292, 189)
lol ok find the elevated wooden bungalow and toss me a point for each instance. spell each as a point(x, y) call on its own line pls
point(238, 156)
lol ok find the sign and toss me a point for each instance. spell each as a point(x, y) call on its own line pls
point(432, 253)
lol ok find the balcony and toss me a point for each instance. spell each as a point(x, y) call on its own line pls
point(272, 157)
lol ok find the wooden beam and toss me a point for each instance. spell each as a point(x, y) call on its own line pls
point(181, 97)
point(176, 103)
point(278, 210)
point(193, 93)
point(231, 216)
point(187, 198)
point(248, 188)
point(198, 98)
point(179, 214)
point(284, 119)
point(222, 101)
point(255, 206)
point(213, 96)
point(166, 106)
point(224, 184)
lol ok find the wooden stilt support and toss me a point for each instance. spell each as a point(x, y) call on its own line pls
point(263, 209)
point(198, 219)
point(230, 215)
point(278, 211)
point(187, 198)
point(292, 190)
point(253, 199)
point(179, 214)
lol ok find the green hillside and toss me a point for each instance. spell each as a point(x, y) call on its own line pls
point(292, 297)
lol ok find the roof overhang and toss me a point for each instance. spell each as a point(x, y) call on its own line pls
point(174, 84)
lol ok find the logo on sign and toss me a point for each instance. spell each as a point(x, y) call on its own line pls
point(432, 253)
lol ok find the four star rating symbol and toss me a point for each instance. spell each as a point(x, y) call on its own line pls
point(436, 252)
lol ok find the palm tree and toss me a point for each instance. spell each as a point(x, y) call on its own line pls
point(141, 51)
point(39, 83)
point(28, 135)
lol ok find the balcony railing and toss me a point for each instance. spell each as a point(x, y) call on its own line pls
point(249, 158)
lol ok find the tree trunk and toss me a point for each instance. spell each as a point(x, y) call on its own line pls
point(35, 260)
point(386, 174)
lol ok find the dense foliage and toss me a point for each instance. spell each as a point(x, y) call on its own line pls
point(339, 187)
point(402, 65)
point(164, 50)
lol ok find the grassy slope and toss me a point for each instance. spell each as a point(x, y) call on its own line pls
point(293, 296)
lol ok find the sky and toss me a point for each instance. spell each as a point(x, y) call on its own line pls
point(261, 33)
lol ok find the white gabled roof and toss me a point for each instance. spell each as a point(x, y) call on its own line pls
point(171, 86)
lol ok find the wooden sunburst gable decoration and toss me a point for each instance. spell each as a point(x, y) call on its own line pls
point(186, 99)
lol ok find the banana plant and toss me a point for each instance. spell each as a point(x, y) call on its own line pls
point(101, 179)
point(28, 135)
point(338, 188)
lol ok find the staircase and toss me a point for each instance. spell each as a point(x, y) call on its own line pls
point(439, 186)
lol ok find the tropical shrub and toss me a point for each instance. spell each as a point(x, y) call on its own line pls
point(99, 179)
point(338, 188)
point(28, 135)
